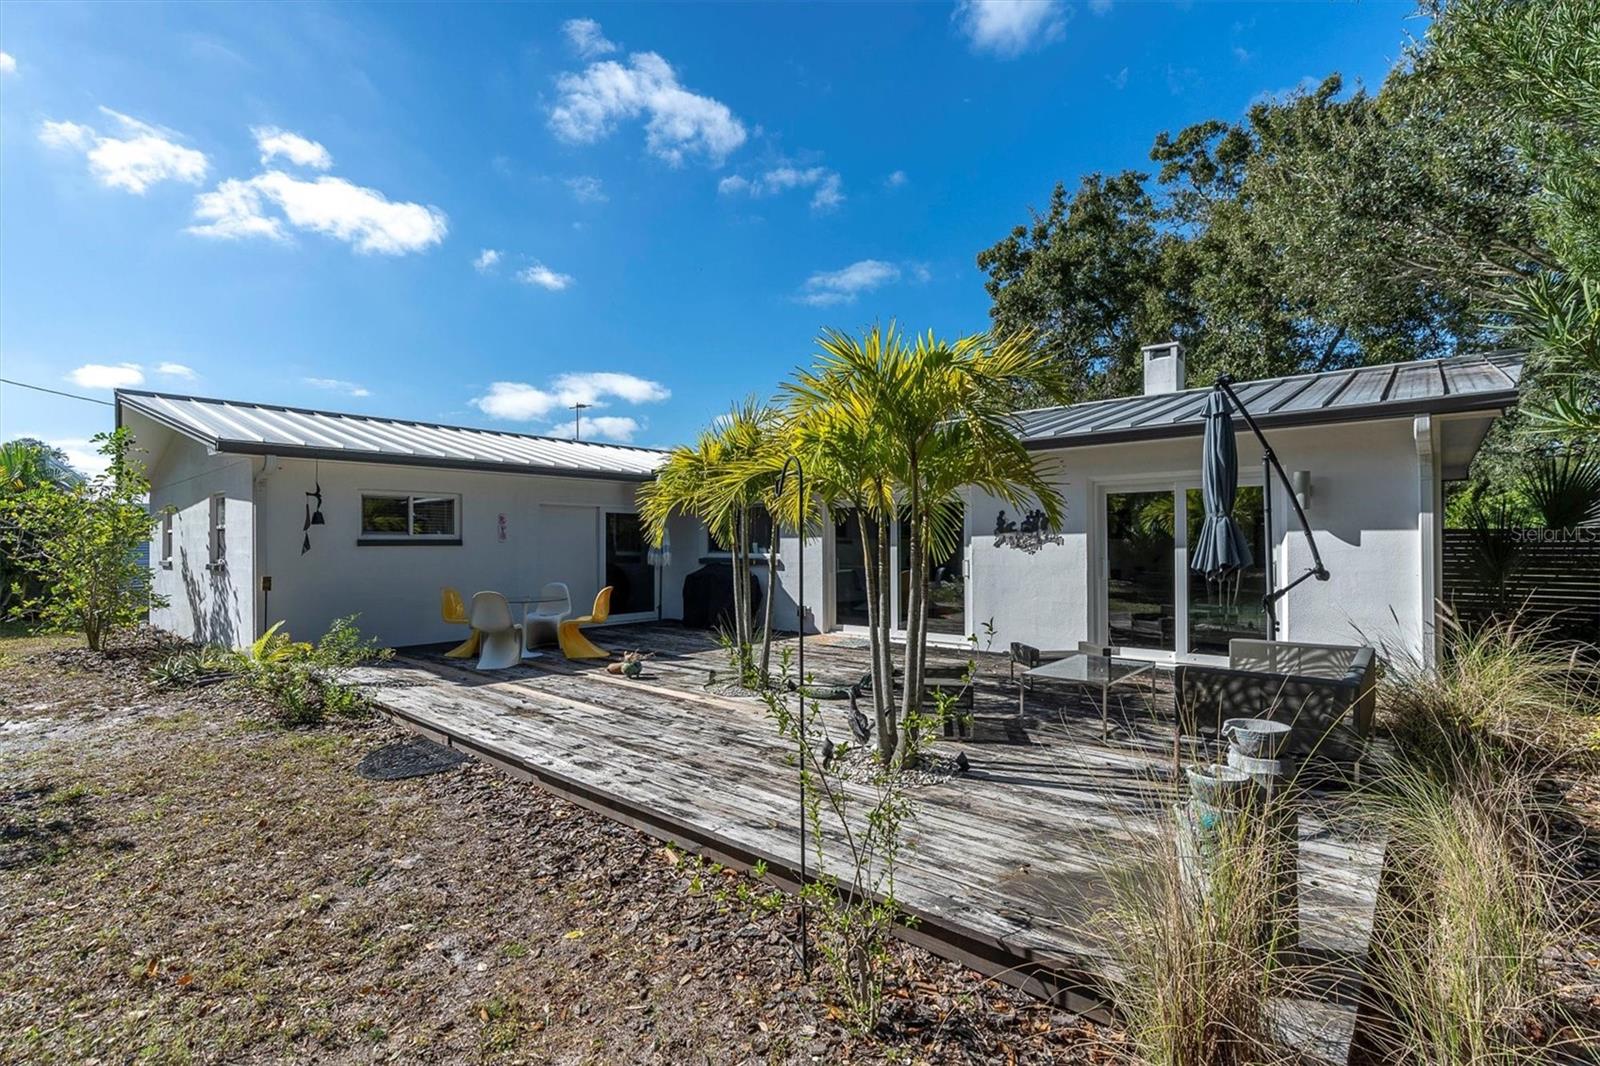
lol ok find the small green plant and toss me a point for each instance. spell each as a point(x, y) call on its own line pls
point(1194, 939)
point(195, 666)
point(1458, 948)
point(1503, 690)
point(852, 898)
point(308, 682)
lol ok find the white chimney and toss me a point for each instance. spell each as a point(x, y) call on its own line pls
point(1163, 368)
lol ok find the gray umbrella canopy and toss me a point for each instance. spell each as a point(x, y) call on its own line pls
point(1221, 547)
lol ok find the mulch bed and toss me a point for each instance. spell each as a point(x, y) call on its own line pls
point(182, 880)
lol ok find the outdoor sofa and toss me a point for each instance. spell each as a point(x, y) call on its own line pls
point(1324, 692)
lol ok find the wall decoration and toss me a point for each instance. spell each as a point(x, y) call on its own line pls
point(1030, 535)
point(313, 518)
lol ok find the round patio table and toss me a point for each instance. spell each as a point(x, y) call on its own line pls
point(528, 604)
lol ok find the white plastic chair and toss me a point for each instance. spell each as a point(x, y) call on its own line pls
point(542, 621)
point(502, 638)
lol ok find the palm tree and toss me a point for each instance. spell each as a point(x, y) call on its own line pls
point(900, 429)
point(712, 482)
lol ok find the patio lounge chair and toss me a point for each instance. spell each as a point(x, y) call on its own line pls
point(502, 638)
point(574, 645)
point(543, 626)
point(454, 611)
point(1326, 693)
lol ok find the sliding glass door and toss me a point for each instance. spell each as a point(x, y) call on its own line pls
point(1151, 600)
point(627, 565)
point(1141, 598)
point(947, 585)
point(1223, 608)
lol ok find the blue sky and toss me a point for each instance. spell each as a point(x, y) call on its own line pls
point(482, 214)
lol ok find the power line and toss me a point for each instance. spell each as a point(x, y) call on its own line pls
point(57, 392)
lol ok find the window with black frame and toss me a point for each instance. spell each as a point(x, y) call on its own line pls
point(760, 535)
point(403, 518)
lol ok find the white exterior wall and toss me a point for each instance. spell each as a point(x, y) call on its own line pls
point(1372, 490)
point(211, 604)
point(554, 529)
point(1364, 511)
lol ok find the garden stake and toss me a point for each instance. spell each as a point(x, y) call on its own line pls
point(800, 609)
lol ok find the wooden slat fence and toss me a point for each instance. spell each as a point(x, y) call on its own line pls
point(1549, 574)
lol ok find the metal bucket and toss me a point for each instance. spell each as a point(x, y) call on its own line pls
point(1256, 738)
point(1219, 787)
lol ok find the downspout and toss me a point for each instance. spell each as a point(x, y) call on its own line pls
point(270, 464)
point(1428, 535)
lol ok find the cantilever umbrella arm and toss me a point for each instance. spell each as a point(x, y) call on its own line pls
point(1269, 462)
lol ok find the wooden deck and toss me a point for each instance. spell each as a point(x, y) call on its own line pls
point(1008, 864)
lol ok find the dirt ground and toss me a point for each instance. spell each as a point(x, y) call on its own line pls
point(181, 880)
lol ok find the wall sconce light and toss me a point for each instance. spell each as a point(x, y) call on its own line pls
point(1301, 480)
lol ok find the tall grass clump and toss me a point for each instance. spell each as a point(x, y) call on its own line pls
point(1192, 937)
point(1470, 913)
point(1501, 690)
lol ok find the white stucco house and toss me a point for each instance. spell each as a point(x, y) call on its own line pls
point(408, 507)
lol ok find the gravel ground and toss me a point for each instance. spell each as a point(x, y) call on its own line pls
point(182, 881)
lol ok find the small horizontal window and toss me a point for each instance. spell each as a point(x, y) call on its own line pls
point(406, 519)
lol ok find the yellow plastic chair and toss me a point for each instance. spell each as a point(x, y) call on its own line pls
point(574, 645)
point(454, 610)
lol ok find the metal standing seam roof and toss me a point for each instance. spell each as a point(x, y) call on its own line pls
point(1429, 386)
point(294, 432)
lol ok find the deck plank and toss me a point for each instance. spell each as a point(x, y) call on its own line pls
point(1018, 855)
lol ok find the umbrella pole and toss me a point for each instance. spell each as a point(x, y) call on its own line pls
point(1269, 466)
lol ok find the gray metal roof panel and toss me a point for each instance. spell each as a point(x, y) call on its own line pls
point(1460, 383)
point(271, 429)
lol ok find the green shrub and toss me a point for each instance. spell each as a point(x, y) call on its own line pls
point(308, 682)
point(1458, 949)
point(196, 666)
point(1503, 691)
point(1195, 951)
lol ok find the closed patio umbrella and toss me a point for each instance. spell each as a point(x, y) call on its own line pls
point(1221, 547)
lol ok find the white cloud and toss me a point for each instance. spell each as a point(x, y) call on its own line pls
point(176, 370)
point(542, 276)
point(349, 388)
point(1100, 7)
point(619, 428)
point(826, 288)
point(102, 376)
point(519, 401)
point(1008, 28)
point(82, 455)
point(587, 190)
point(1119, 80)
point(585, 38)
point(678, 123)
point(895, 180)
point(515, 400)
point(143, 156)
point(331, 206)
point(8, 63)
point(274, 142)
point(827, 193)
point(487, 260)
point(593, 388)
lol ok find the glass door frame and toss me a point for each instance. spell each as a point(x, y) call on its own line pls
point(1100, 561)
point(897, 629)
point(600, 562)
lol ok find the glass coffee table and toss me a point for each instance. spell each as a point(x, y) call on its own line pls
point(1091, 671)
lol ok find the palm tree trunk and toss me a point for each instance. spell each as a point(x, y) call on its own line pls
point(916, 570)
point(882, 683)
point(885, 630)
